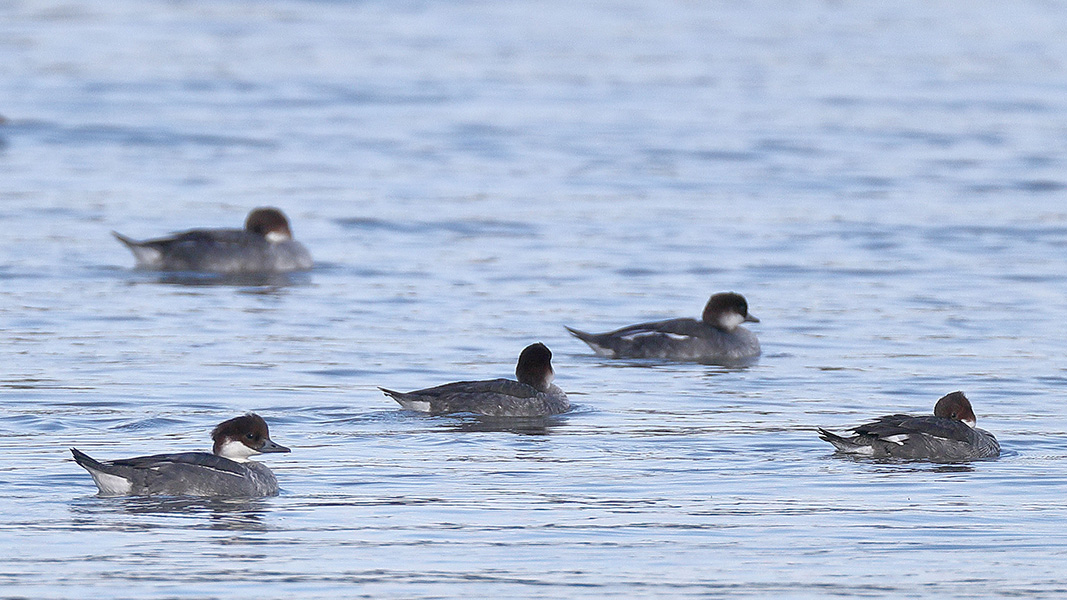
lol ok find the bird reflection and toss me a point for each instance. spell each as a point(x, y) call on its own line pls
point(223, 514)
point(272, 281)
point(534, 426)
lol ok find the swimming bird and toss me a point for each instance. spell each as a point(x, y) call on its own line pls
point(227, 471)
point(717, 337)
point(949, 435)
point(533, 395)
point(265, 245)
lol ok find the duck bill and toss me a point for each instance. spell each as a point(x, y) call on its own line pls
point(269, 446)
point(751, 319)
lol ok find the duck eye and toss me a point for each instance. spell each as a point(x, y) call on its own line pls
point(250, 436)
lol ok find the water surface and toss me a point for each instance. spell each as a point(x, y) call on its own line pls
point(883, 183)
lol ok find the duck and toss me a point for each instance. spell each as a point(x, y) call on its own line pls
point(226, 471)
point(533, 395)
point(265, 245)
point(949, 435)
point(717, 337)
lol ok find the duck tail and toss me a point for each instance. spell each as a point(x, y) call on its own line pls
point(841, 443)
point(129, 242)
point(585, 337)
point(86, 461)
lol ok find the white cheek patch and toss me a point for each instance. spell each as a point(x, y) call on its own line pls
point(730, 320)
point(236, 451)
point(111, 485)
point(276, 236)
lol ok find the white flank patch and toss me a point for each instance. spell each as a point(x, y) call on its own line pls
point(418, 405)
point(673, 336)
point(678, 336)
point(898, 439)
point(223, 471)
point(111, 485)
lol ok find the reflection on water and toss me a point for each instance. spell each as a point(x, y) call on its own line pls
point(900, 465)
point(534, 426)
point(264, 283)
point(242, 514)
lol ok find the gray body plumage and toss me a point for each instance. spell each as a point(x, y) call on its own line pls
point(910, 437)
point(674, 339)
point(494, 398)
point(225, 251)
point(188, 473)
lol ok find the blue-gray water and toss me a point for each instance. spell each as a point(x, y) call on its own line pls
point(883, 181)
